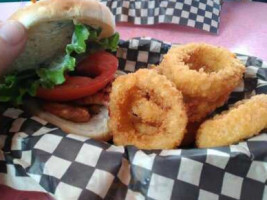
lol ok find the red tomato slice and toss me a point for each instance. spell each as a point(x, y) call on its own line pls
point(101, 65)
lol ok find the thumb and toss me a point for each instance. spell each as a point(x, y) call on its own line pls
point(12, 41)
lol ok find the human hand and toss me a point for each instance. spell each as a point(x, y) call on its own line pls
point(12, 41)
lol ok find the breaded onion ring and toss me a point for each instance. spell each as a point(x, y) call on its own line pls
point(147, 111)
point(245, 119)
point(199, 108)
point(202, 70)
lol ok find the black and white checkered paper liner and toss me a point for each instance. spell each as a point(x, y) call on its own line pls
point(39, 156)
point(201, 14)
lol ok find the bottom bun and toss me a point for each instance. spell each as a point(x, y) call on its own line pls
point(96, 128)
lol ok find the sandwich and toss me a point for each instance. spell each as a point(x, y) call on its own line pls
point(63, 75)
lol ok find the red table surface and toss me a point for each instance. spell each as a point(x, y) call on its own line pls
point(243, 29)
point(7, 193)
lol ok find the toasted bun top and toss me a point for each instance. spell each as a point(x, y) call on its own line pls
point(90, 12)
point(49, 25)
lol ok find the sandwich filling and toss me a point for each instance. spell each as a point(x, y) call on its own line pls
point(72, 84)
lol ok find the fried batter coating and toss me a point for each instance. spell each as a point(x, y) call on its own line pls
point(205, 74)
point(202, 70)
point(146, 111)
point(199, 108)
point(245, 119)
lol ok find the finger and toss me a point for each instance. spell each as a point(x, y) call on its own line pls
point(12, 41)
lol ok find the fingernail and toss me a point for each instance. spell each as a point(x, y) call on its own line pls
point(12, 32)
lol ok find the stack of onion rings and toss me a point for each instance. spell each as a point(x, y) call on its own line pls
point(146, 111)
point(205, 74)
point(165, 106)
point(202, 70)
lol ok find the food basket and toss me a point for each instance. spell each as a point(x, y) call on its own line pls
point(38, 156)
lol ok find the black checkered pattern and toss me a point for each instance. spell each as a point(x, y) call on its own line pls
point(44, 158)
point(201, 14)
point(140, 53)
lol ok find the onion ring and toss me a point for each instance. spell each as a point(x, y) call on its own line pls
point(202, 70)
point(137, 102)
point(199, 108)
point(245, 119)
point(147, 110)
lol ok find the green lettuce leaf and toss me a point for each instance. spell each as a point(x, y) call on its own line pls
point(54, 74)
point(78, 45)
point(49, 77)
point(15, 86)
point(110, 43)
